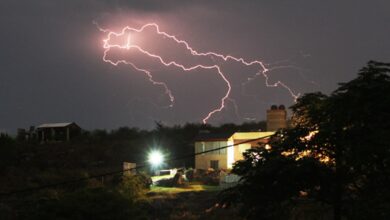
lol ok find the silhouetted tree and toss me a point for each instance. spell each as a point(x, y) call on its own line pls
point(337, 153)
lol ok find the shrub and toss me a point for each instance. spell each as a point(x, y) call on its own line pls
point(96, 203)
point(134, 186)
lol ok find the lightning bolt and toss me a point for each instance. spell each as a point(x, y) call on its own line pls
point(126, 33)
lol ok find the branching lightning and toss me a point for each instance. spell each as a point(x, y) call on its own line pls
point(128, 45)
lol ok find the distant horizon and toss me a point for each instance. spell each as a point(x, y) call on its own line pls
point(128, 126)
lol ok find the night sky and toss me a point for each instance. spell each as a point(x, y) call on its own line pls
point(51, 67)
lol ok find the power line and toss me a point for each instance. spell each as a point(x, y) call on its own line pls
point(37, 188)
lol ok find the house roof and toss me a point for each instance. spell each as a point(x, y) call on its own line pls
point(213, 136)
point(233, 135)
point(251, 135)
point(56, 125)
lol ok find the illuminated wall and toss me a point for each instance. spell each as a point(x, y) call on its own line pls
point(228, 156)
point(203, 161)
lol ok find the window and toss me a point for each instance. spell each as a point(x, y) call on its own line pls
point(200, 147)
point(214, 164)
point(216, 145)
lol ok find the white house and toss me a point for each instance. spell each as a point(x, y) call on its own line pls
point(224, 158)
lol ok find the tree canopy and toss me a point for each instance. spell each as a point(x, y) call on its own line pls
point(336, 155)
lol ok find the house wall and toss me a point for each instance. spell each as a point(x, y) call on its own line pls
point(240, 137)
point(202, 161)
point(239, 150)
point(228, 156)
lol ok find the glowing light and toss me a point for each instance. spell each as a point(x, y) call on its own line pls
point(309, 136)
point(155, 158)
point(126, 32)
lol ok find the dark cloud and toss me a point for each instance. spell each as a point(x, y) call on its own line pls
point(51, 68)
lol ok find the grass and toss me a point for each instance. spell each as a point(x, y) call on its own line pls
point(190, 188)
point(196, 201)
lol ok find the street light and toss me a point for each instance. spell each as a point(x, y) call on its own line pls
point(155, 158)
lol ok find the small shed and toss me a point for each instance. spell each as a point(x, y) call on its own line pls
point(58, 131)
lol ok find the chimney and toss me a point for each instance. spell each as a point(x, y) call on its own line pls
point(276, 118)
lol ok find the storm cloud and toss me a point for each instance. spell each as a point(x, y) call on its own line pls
point(51, 67)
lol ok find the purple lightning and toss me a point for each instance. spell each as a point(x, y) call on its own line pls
point(127, 31)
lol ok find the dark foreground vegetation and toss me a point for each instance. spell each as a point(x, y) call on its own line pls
point(29, 164)
point(333, 163)
point(335, 160)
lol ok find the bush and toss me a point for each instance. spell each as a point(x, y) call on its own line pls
point(145, 179)
point(134, 186)
point(97, 203)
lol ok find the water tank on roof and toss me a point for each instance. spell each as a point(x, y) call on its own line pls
point(276, 118)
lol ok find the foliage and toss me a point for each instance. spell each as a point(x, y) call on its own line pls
point(89, 203)
point(7, 151)
point(95, 201)
point(25, 163)
point(5, 139)
point(336, 153)
point(134, 186)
